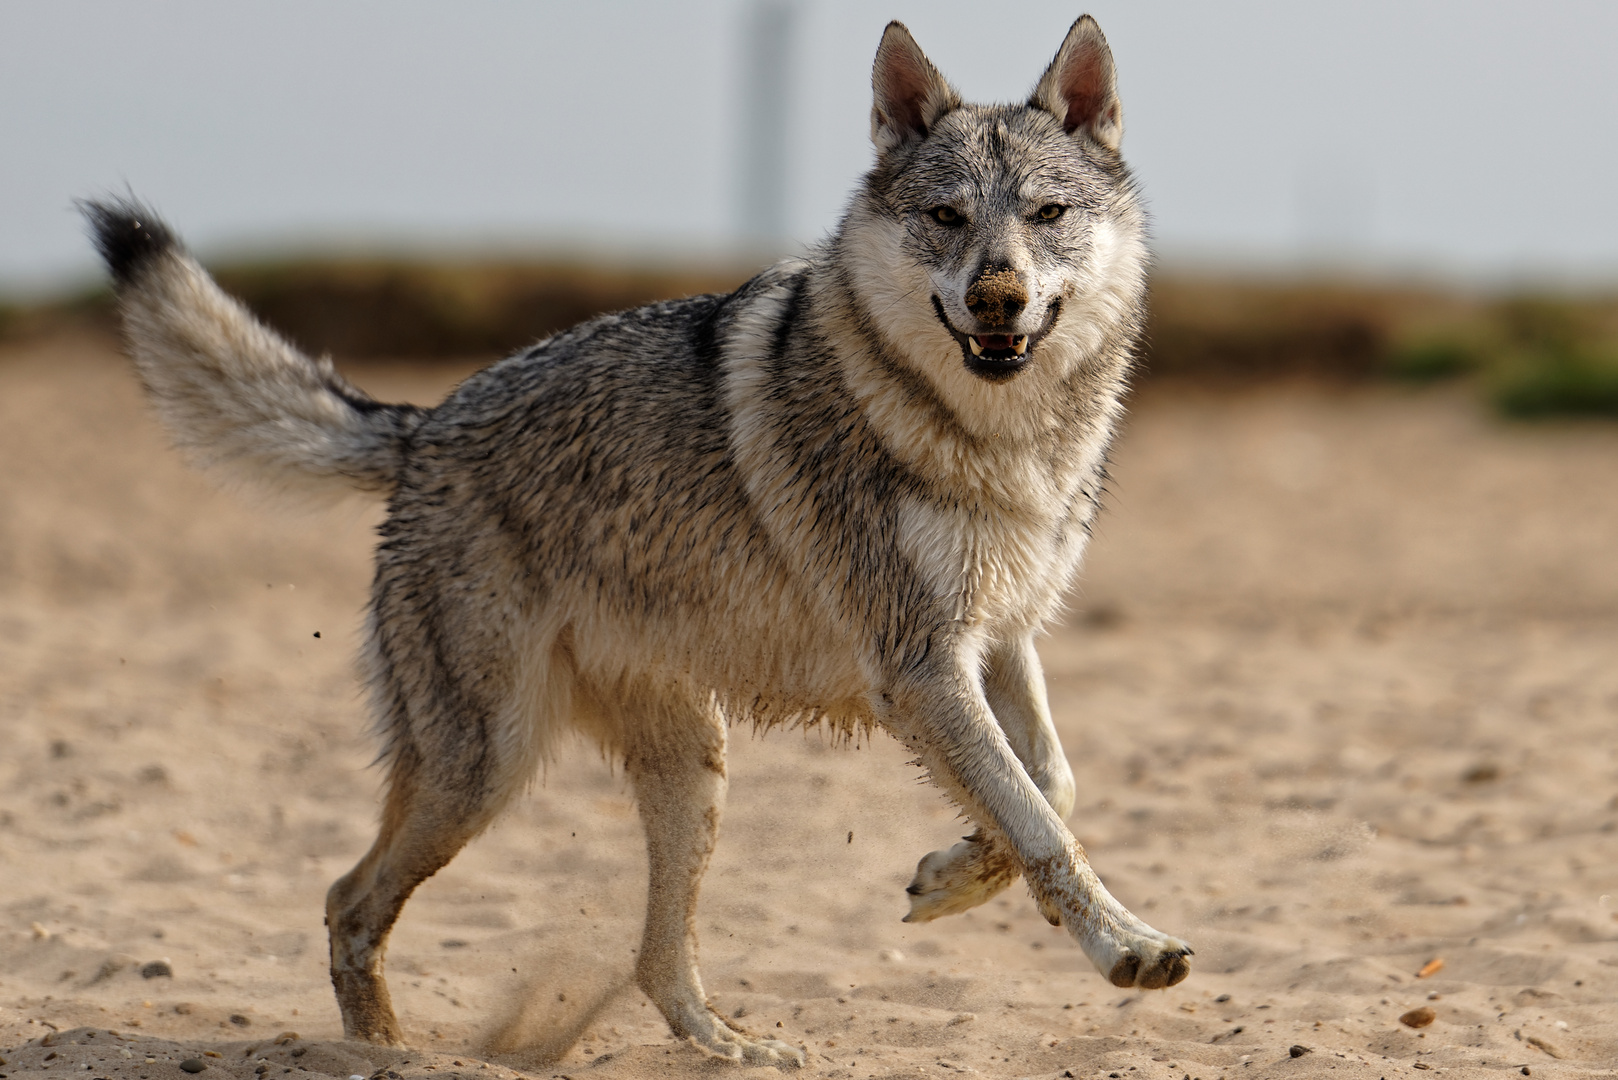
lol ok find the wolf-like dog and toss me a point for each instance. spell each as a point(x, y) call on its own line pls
point(851, 493)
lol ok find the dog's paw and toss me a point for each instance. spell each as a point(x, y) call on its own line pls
point(690, 1017)
point(721, 1040)
point(385, 1038)
point(1147, 960)
point(953, 881)
point(771, 1052)
point(367, 1009)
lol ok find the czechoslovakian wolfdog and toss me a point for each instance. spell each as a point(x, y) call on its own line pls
point(850, 493)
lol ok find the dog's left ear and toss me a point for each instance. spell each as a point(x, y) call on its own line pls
point(1080, 88)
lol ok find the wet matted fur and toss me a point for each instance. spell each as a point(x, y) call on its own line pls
point(851, 492)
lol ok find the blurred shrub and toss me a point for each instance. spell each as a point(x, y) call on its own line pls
point(1430, 359)
point(1581, 380)
point(1540, 322)
point(1557, 357)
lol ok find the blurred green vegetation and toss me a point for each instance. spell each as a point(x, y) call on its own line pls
point(1431, 359)
point(1533, 356)
point(1556, 358)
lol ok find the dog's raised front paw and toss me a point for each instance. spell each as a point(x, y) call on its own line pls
point(1149, 961)
point(953, 881)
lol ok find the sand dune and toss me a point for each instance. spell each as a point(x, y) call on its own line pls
point(1340, 691)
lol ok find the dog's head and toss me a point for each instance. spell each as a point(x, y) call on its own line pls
point(993, 241)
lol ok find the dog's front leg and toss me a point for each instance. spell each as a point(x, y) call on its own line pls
point(957, 879)
point(942, 714)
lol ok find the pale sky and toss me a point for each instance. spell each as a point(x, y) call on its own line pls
point(1471, 139)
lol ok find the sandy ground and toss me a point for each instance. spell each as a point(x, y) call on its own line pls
point(1339, 690)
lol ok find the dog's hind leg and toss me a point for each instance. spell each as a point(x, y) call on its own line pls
point(435, 804)
point(980, 866)
point(677, 763)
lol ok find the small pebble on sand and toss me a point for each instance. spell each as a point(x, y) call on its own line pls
point(1418, 1018)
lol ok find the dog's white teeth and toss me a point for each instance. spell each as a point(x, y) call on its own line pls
point(1019, 344)
point(977, 350)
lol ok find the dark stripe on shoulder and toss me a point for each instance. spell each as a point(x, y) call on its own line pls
point(917, 390)
point(705, 337)
point(791, 312)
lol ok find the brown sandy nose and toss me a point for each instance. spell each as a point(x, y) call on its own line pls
point(996, 298)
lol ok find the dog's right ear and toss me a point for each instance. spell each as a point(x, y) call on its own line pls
point(909, 93)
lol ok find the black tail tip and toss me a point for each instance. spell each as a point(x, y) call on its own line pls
point(128, 235)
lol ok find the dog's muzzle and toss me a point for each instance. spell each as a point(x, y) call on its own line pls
point(998, 357)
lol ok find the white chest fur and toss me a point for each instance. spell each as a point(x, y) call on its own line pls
point(993, 566)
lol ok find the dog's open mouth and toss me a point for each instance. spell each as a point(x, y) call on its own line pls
point(997, 356)
point(997, 346)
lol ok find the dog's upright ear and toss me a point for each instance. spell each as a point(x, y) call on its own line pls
point(1080, 88)
point(909, 95)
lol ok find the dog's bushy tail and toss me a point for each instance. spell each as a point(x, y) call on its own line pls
point(231, 391)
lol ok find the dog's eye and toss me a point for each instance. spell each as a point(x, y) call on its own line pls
point(946, 215)
point(1051, 211)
